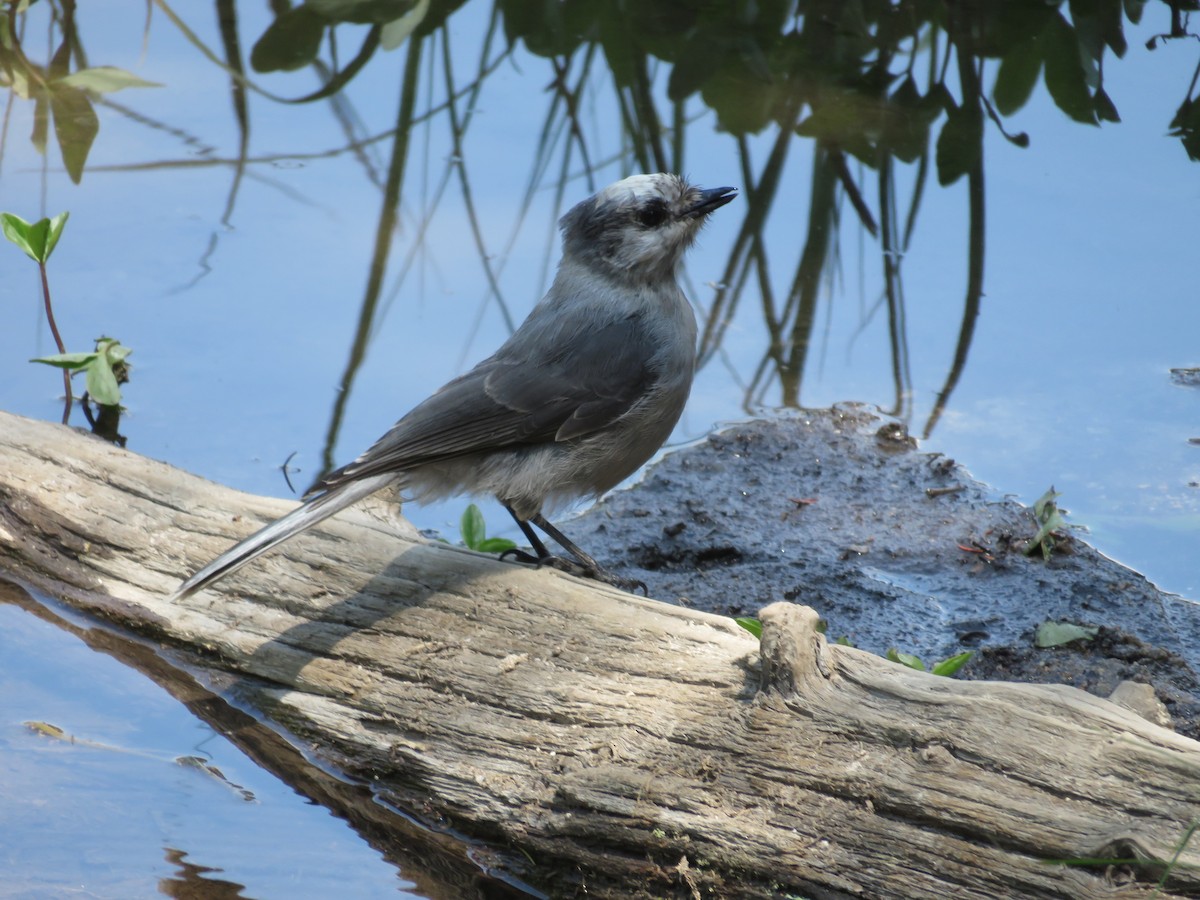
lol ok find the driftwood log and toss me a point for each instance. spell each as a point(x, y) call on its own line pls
point(605, 744)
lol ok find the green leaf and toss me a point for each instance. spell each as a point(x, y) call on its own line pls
point(54, 232)
point(1050, 518)
point(20, 232)
point(75, 126)
point(37, 239)
point(495, 545)
point(1017, 77)
point(104, 80)
point(290, 42)
point(113, 350)
point(73, 361)
point(951, 664)
point(960, 144)
point(751, 624)
point(102, 382)
point(905, 659)
point(471, 527)
point(1046, 502)
point(1065, 77)
point(1055, 634)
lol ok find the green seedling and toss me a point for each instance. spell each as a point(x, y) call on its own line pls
point(1050, 521)
point(105, 366)
point(946, 667)
point(38, 240)
point(751, 624)
point(474, 533)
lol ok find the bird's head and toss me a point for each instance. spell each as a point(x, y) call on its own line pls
point(638, 228)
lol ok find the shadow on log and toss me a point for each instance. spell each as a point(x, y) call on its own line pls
point(603, 743)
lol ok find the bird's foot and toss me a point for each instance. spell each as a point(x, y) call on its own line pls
point(579, 570)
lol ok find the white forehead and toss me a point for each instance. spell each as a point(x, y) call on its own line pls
point(642, 187)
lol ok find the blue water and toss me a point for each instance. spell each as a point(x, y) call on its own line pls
point(241, 308)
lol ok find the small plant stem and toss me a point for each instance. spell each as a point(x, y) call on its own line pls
point(58, 341)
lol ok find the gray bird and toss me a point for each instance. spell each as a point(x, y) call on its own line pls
point(582, 394)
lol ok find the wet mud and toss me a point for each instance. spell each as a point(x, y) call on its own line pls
point(894, 547)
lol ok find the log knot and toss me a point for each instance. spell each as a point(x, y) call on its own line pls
point(793, 650)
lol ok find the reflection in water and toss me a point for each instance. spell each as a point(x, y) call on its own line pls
point(195, 882)
point(880, 85)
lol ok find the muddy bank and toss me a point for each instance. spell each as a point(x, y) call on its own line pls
point(894, 547)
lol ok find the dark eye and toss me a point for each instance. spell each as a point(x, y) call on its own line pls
point(652, 214)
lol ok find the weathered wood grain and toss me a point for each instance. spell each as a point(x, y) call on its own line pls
point(620, 746)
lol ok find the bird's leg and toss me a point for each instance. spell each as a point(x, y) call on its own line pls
point(583, 565)
point(534, 541)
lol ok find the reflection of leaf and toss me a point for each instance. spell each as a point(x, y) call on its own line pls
point(959, 144)
point(1106, 110)
point(104, 80)
point(75, 126)
point(1065, 78)
point(363, 12)
point(1186, 127)
point(543, 27)
point(290, 42)
point(1017, 76)
point(697, 62)
point(911, 115)
point(41, 124)
point(742, 102)
point(844, 119)
point(396, 31)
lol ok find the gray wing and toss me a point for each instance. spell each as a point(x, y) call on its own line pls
point(553, 394)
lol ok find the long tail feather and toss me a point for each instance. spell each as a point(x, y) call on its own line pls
point(280, 530)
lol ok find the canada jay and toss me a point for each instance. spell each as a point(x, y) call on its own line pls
point(582, 394)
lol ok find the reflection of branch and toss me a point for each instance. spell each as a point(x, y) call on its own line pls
point(892, 253)
point(227, 18)
point(802, 298)
point(384, 232)
point(571, 100)
point(457, 129)
point(838, 158)
point(369, 46)
point(971, 93)
point(758, 201)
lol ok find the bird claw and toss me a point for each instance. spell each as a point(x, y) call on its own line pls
point(577, 569)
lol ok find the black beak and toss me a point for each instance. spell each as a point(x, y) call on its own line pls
point(710, 200)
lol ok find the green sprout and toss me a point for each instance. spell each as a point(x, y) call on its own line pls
point(38, 240)
point(946, 667)
point(105, 367)
point(474, 533)
point(1050, 520)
